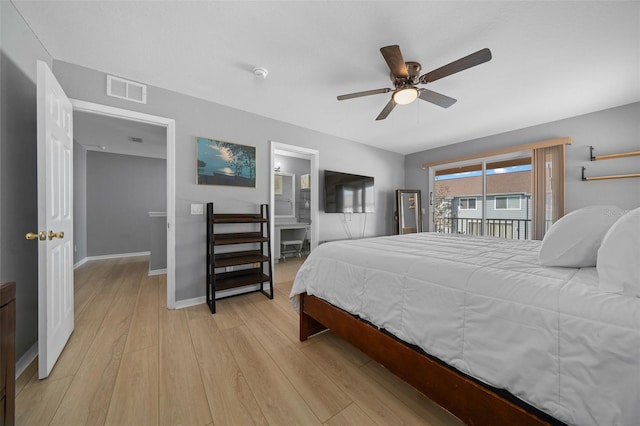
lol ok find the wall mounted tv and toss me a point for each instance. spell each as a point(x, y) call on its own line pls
point(347, 193)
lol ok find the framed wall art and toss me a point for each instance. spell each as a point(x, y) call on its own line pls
point(225, 163)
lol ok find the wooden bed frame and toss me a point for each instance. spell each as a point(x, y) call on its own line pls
point(471, 401)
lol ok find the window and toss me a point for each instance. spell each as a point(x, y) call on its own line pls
point(536, 168)
point(468, 204)
point(506, 178)
point(508, 203)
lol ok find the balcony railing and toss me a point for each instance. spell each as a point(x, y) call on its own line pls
point(516, 229)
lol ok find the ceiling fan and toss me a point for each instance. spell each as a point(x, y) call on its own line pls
point(406, 75)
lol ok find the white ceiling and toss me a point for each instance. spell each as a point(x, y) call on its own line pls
point(109, 134)
point(551, 59)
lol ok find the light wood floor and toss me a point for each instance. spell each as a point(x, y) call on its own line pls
point(130, 361)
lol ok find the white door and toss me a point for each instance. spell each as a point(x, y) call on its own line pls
point(55, 218)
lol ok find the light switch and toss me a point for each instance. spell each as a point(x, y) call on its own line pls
point(197, 208)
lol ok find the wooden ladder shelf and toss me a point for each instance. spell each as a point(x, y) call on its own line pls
point(254, 266)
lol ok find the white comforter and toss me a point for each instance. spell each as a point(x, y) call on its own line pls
point(486, 307)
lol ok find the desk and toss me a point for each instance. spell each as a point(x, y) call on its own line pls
point(291, 231)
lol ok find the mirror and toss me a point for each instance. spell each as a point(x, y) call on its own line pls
point(408, 211)
point(285, 194)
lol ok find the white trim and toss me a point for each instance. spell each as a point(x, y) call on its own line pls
point(110, 256)
point(157, 214)
point(26, 359)
point(80, 263)
point(117, 255)
point(170, 125)
point(110, 111)
point(181, 304)
point(299, 152)
point(240, 290)
point(153, 272)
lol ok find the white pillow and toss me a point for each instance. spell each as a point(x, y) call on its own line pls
point(574, 239)
point(619, 256)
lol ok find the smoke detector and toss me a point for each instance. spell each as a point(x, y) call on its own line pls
point(260, 73)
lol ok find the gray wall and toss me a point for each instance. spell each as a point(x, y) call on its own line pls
point(609, 131)
point(121, 191)
point(79, 202)
point(158, 245)
point(196, 117)
point(19, 50)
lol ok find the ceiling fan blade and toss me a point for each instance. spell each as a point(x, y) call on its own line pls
point(394, 59)
point(387, 109)
point(436, 98)
point(365, 93)
point(477, 58)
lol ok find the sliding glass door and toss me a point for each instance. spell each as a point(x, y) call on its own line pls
point(491, 197)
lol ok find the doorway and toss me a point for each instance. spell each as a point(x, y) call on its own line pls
point(298, 172)
point(169, 126)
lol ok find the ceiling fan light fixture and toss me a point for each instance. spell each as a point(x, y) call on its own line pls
point(405, 96)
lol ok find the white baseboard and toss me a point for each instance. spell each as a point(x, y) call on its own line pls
point(80, 263)
point(116, 256)
point(26, 359)
point(111, 256)
point(157, 272)
point(235, 291)
point(181, 304)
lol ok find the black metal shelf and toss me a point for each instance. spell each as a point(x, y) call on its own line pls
point(259, 258)
point(244, 277)
point(239, 258)
point(239, 238)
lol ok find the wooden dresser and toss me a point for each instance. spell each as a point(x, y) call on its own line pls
point(7, 353)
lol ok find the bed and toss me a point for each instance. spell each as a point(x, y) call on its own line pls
point(480, 327)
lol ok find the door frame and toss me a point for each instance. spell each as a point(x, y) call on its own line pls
point(170, 126)
point(314, 156)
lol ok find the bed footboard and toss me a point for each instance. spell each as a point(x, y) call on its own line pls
point(470, 401)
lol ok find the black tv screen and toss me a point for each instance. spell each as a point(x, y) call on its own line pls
point(347, 193)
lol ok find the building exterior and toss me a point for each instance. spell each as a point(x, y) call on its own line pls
point(508, 209)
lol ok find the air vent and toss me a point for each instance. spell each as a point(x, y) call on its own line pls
point(134, 139)
point(125, 89)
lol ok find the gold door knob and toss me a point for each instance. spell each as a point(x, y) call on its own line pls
point(53, 235)
point(40, 235)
